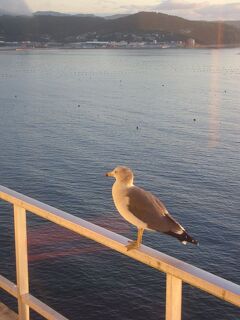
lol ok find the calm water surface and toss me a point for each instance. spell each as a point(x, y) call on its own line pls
point(67, 117)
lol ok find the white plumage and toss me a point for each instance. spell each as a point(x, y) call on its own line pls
point(142, 209)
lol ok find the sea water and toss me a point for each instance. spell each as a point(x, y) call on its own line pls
point(69, 116)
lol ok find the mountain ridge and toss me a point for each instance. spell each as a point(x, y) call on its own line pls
point(64, 27)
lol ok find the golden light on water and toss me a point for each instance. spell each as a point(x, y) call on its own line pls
point(215, 96)
point(52, 241)
point(214, 103)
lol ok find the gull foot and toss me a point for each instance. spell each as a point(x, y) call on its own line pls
point(132, 245)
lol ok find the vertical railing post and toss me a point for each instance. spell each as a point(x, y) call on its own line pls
point(20, 227)
point(173, 298)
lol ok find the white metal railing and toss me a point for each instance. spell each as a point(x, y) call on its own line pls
point(177, 271)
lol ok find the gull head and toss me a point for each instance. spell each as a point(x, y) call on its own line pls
point(122, 175)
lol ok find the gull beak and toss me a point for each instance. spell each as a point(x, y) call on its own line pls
point(110, 174)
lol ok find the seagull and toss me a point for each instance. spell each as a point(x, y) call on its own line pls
point(143, 209)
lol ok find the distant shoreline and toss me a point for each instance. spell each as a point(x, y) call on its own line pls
point(17, 49)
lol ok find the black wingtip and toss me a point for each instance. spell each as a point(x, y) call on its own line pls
point(184, 237)
point(187, 238)
point(195, 242)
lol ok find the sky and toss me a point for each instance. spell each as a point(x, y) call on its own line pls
point(190, 9)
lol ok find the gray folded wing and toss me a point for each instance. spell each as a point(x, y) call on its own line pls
point(149, 209)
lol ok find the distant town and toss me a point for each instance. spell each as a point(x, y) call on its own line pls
point(148, 41)
point(143, 30)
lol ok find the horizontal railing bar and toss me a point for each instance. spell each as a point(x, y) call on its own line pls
point(194, 276)
point(31, 301)
point(8, 286)
point(41, 308)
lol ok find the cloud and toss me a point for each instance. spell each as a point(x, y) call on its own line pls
point(178, 5)
point(200, 10)
point(193, 10)
point(134, 8)
point(229, 11)
point(14, 7)
point(190, 9)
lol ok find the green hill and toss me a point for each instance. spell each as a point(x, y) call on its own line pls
point(66, 27)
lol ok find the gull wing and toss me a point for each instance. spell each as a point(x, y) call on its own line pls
point(146, 207)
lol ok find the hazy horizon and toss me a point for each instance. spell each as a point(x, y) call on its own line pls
point(188, 9)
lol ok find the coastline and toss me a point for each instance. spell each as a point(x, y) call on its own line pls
point(10, 48)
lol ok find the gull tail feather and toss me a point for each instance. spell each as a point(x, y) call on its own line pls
point(184, 237)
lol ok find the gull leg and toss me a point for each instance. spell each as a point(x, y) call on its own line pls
point(136, 244)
